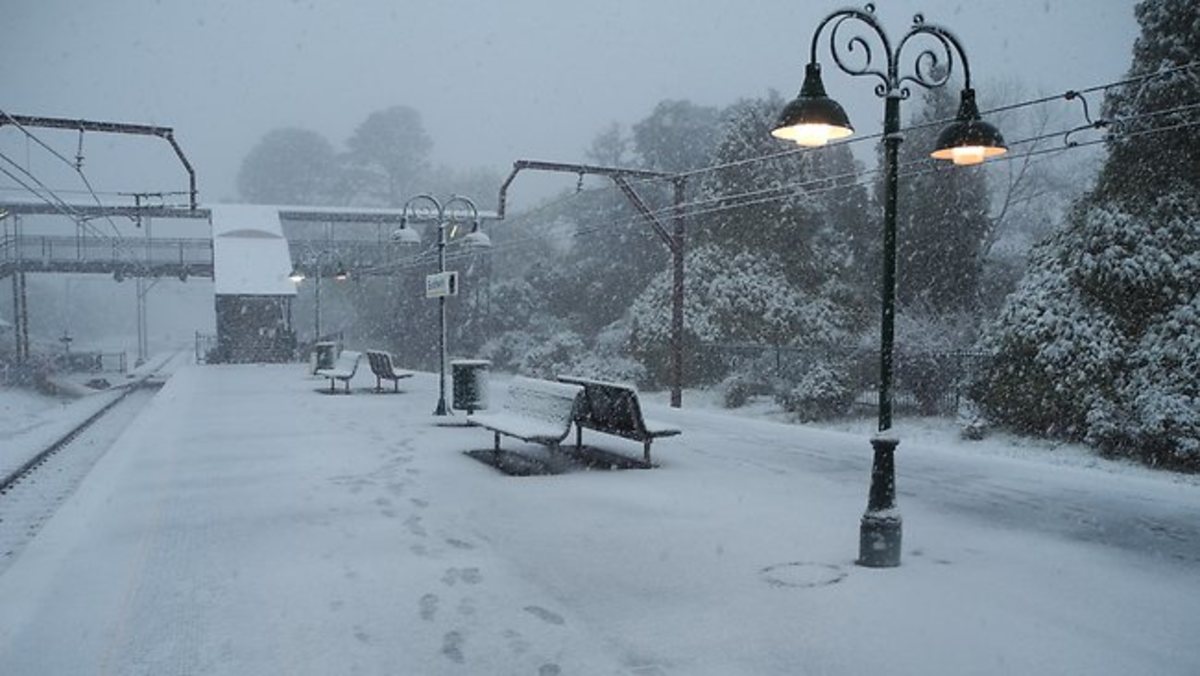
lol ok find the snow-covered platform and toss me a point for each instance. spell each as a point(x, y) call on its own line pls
point(244, 524)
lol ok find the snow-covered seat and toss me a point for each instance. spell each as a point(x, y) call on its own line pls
point(343, 369)
point(384, 369)
point(613, 408)
point(539, 411)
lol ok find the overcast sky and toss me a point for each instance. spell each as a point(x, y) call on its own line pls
point(495, 81)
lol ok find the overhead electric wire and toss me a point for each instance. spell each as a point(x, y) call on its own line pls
point(1068, 95)
point(716, 207)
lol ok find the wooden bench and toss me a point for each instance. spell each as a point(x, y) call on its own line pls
point(384, 369)
point(538, 411)
point(343, 369)
point(613, 408)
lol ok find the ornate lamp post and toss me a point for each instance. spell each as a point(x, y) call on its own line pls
point(813, 119)
point(475, 239)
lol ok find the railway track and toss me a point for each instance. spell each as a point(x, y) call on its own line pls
point(32, 492)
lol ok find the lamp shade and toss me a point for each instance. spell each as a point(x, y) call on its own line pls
point(969, 140)
point(476, 240)
point(406, 236)
point(812, 119)
point(297, 276)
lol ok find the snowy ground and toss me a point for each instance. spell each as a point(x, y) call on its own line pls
point(246, 524)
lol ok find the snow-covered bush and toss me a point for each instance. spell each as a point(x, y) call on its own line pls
point(556, 354)
point(822, 391)
point(1099, 341)
point(731, 298)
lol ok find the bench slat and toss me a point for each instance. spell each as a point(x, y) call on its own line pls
point(540, 411)
point(613, 408)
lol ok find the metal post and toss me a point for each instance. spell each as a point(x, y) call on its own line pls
point(677, 299)
point(441, 244)
point(881, 525)
point(317, 302)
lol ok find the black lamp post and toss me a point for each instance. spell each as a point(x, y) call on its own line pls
point(813, 119)
point(475, 239)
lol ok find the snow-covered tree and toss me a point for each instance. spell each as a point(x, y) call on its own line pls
point(288, 166)
point(388, 154)
point(942, 217)
point(1099, 340)
point(677, 136)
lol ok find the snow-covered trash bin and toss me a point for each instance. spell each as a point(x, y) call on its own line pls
point(323, 355)
point(470, 384)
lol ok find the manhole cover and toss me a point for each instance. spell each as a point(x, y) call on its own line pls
point(803, 574)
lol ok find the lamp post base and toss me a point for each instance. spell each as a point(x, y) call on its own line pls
point(879, 540)
point(881, 525)
point(441, 409)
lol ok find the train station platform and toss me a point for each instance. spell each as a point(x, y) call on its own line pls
point(247, 523)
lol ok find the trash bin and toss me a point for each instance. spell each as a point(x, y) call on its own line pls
point(323, 355)
point(470, 384)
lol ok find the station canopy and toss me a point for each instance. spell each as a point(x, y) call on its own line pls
point(250, 253)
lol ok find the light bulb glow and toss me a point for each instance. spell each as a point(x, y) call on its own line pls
point(811, 135)
point(968, 155)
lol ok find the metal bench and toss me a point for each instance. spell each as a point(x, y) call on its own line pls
point(538, 411)
point(384, 369)
point(343, 369)
point(613, 408)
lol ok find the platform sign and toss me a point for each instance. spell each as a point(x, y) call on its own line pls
point(441, 284)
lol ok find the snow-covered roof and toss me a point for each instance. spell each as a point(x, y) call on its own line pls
point(250, 253)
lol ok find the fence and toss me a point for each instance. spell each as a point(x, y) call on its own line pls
point(928, 383)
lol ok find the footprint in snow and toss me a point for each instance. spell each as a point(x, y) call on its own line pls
point(545, 615)
point(429, 606)
point(452, 646)
point(466, 575)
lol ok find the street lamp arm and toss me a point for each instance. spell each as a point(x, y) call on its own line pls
point(462, 199)
point(425, 197)
point(854, 43)
point(925, 65)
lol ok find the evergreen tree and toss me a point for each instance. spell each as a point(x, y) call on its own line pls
point(942, 220)
point(677, 136)
point(288, 166)
point(388, 154)
point(1099, 341)
point(1142, 166)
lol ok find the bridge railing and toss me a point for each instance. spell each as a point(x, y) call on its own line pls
point(57, 248)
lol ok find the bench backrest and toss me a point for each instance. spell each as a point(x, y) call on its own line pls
point(347, 361)
point(543, 400)
point(381, 363)
point(608, 407)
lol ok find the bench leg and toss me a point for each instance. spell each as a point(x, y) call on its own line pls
point(332, 383)
point(578, 437)
point(378, 384)
point(646, 449)
point(497, 441)
point(395, 384)
point(347, 386)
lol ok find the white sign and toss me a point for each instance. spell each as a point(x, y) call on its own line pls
point(441, 284)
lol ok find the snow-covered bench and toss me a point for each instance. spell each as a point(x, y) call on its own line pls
point(343, 369)
point(384, 369)
point(539, 411)
point(613, 408)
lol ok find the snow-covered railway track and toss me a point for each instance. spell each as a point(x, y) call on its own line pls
point(30, 494)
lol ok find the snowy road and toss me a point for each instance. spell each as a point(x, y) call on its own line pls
point(245, 524)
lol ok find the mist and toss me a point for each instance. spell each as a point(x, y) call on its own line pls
point(493, 82)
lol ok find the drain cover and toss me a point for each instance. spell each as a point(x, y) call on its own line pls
point(803, 574)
